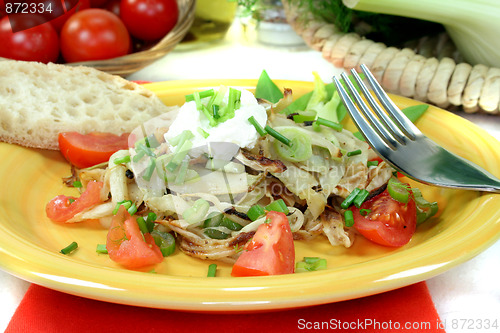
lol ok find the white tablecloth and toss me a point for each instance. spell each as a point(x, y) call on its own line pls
point(468, 292)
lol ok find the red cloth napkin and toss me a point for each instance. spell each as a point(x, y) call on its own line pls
point(409, 309)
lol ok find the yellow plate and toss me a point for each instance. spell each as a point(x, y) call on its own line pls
point(469, 222)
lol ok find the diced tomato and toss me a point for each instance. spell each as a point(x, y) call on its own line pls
point(389, 222)
point(126, 244)
point(271, 250)
point(86, 150)
point(62, 208)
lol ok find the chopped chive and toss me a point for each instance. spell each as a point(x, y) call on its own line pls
point(201, 94)
point(215, 111)
point(122, 160)
point(350, 198)
point(77, 184)
point(179, 155)
point(126, 203)
point(101, 248)
point(179, 140)
point(149, 170)
point(371, 163)
point(182, 173)
point(138, 156)
point(132, 209)
point(148, 151)
point(278, 136)
point(257, 126)
point(301, 117)
point(202, 132)
point(142, 225)
point(70, 248)
point(354, 153)
point(255, 212)
point(278, 206)
point(360, 198)
point(364, 212)
point(348, 218)
point(212, 269)
point(328, 123)
point(217, 98)
point(71, 200)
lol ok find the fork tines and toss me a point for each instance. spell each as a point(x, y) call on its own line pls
point(390, 128)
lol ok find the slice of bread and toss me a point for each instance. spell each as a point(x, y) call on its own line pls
point(39, 101)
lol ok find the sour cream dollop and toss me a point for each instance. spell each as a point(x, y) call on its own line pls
point(237, 130)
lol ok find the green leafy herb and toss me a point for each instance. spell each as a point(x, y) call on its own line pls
point(267, 89)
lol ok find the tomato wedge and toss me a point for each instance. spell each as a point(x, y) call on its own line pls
point(126, 244)
point(62, 208)
point(271, 250)
point(86, 150)
point(389, 222)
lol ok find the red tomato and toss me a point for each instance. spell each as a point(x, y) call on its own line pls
point(390, 222)
point(90, 149)
point(126, 245)
point(61, 209)
point(113, 6)
point(39, 43)
point(98, 3)
point(70, 8)
point(94, 34)
point(271, 250)
point(149, 19)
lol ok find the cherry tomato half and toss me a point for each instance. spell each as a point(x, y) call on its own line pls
point(39, 43)
point(149, 19)
point(388, 222)
point(271, 250)
point(87, 150)
point(94, 34)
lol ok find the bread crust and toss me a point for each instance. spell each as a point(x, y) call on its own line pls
point(38, 101)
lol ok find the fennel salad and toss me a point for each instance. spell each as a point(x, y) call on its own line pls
point(239, 177)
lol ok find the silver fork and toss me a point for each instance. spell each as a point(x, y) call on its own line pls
point(401, 144)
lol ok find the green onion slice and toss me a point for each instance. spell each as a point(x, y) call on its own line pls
point(215, 233)
point(101, 248)
point(350, 198)
point(122, 160)
point(212, 269)
point(214, 219)
point(398, 191)
point(299, 147)
point(165, 241)
point(70, 248)
point(255, 212)
point(230, 224)
point(278, 206)
point(310, 264)
point(360, 198)
point(425, 209)
point(348, 218)
point(196, 212)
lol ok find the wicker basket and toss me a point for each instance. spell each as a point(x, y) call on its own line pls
point(131, 63)
point(438, 77)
